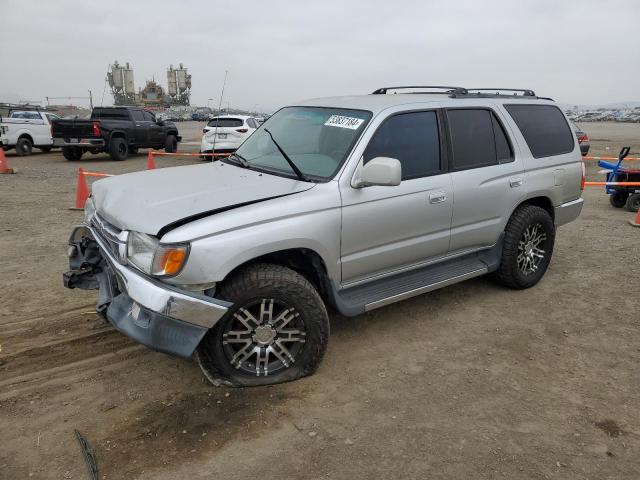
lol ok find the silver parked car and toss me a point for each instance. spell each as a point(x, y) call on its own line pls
point(351, 203)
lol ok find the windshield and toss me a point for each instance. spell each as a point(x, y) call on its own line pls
point(317, 140)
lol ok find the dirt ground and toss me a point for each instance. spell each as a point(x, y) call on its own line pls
point(470, 382)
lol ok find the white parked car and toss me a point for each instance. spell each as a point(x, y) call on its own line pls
point(226, 133)
point(25, 130)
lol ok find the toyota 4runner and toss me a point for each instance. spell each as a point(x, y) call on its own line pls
point(349, 203)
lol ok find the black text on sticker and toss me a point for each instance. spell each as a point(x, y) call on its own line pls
point(343, 122)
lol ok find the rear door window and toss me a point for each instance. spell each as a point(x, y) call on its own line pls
point(544, 128)
point(472, 141)
point(114, 113)
point(503, 147)
point(413, 139)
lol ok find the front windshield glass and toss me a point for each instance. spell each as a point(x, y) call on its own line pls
point(317, 140)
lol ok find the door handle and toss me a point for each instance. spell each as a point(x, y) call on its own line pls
point(516, 182)
point(437, 197)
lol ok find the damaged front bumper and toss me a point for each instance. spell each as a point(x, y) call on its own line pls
point(155, 314)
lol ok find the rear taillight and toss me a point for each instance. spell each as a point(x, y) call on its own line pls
point(96, 129)
point(584, 172)
point(242, 130)
point(583, 138)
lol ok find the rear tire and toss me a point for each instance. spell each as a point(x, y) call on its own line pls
point(72, 153)
point(527, 247)
point(633, 202)
point(276, 331)
point(118, 149)
point(24, 147)
point(618, 199)
point(171, 144)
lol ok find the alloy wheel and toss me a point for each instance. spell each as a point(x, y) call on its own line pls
point(531, 249)
point(263, 337)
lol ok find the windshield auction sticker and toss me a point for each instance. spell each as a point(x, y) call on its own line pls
point(344, 122)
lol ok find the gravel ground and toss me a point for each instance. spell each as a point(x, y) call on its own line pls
point(472, 381)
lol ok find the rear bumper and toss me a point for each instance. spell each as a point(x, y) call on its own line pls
point(84, 142)
point(157, 315)
point(568, 212)
point(206, 146)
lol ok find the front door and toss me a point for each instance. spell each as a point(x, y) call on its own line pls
point(156, 132)
point(141, 128)
point(388, 228)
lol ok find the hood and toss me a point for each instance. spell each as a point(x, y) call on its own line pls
point(150, 200)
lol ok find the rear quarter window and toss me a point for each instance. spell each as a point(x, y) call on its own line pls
point(544, 128)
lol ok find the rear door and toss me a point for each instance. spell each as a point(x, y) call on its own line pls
point(487, 175)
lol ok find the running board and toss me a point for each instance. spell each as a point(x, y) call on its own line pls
point(381, 292)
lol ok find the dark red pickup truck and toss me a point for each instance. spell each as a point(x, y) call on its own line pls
point(117, 131)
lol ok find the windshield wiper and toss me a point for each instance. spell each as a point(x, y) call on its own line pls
point(241, 159)
point(293, 166)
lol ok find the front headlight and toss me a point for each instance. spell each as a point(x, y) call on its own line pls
point(146, 253)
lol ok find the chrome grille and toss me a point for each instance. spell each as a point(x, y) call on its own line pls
point(112, 237)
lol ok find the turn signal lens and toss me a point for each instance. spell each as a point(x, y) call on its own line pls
point(169, 260)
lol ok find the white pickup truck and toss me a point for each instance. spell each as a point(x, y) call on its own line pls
point(24, 130)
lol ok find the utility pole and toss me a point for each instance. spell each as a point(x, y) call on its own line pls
point(90, 101)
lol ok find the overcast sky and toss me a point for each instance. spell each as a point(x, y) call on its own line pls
point(278, 52)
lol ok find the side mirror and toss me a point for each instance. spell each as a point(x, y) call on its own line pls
point(160, 123)
point(382, 171)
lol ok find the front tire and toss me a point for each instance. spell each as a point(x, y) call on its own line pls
point(276, 331)
point(527, 247)
point(72, 153)
point(171, 144)
point(24, 147)
point(118, 149)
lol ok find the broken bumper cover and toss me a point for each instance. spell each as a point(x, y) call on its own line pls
point(157, 315)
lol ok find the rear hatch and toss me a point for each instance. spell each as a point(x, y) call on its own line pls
point(225, 129)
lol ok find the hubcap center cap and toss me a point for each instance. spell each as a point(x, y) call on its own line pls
point(528, 249)
point(264, 335)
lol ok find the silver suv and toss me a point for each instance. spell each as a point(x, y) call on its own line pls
point(349, 203)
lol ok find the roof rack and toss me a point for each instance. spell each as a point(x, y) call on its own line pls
point(496, 93)
point(458, 92)
point(447, 89)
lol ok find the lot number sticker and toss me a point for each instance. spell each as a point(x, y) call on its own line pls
point(344, 122)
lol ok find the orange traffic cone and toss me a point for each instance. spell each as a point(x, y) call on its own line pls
point(4, 166)
point(82, 193)
point(151, 165)
point(636, 223)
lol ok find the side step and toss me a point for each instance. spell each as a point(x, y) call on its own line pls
point(378, 293)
